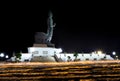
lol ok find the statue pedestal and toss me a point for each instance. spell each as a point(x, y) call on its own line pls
point(51, 45)
point(44, 45)
point(43, 52)
point(39, 45)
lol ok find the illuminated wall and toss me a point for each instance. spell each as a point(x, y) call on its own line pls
point(43, 51)
point(84, 56)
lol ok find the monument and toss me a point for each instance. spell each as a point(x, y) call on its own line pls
point(44, 39)
point(43, 49)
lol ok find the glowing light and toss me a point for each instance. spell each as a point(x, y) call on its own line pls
point(114, 53)
point(6, 56)
point(2, 55)
point(93, 52)
point(99, 52)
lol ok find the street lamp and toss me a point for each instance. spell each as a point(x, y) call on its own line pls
point(114, 53)
point(2, 55)
point(116, 57)
point(6, 56)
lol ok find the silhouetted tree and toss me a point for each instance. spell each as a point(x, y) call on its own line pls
point(69, 59)
point(75, 55)
point(18, 56)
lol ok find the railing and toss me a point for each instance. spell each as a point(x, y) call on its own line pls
point(62, 71)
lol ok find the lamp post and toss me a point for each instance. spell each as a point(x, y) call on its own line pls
point(114, 54)
point(2, 55)
point(6, 56)
point(116, 57)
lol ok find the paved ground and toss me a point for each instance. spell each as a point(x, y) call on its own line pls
point(62, 71)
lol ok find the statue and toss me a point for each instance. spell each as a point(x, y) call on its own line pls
point(45, 38)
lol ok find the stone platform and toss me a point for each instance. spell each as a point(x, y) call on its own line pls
point(43, 59)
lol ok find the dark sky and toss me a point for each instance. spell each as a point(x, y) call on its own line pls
point(80, 26)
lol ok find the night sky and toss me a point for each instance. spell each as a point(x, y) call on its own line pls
point(80, 26)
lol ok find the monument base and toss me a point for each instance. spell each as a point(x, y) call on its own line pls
point(43, 45)
point(39, 45)
point(43, 59)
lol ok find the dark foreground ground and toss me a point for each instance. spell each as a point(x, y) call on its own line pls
point(61, 71)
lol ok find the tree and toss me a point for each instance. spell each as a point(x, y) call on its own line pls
point(69, 59)
point(75, 55)
point(18, 56)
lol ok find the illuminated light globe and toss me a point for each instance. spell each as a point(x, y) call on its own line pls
point(114, 53)
point(2, 55)
point(99, 52)
point(6, 56)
